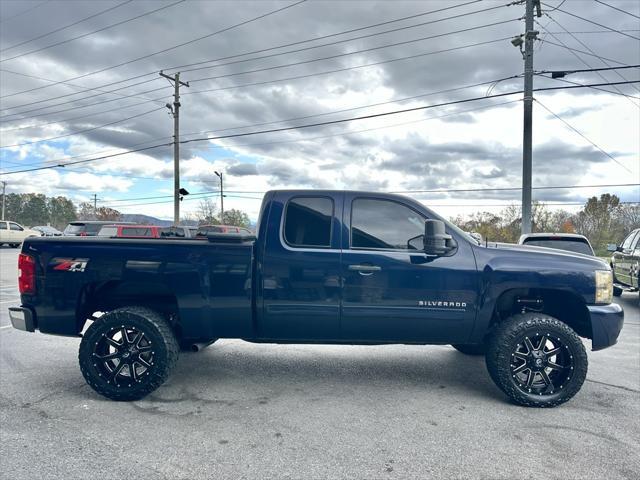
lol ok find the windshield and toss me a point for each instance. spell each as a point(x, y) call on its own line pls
point(574, 245)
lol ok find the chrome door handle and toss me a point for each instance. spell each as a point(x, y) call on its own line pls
point(365, 269)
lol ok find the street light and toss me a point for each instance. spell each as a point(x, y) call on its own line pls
point(219, 174)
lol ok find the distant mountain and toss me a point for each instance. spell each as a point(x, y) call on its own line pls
point(149, 220)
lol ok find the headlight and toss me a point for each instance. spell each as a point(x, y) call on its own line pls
point(604, 286)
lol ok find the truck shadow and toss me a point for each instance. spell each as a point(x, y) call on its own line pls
point(236, 372)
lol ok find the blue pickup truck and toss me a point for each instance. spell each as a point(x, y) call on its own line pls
point(338, 267)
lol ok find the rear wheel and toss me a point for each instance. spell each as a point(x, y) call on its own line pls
point(471, 349)
point(536, 359)
point(128, 353)
point(14, 245)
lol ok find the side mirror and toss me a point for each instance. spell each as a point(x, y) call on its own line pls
point(436, 240)
point(612, 247)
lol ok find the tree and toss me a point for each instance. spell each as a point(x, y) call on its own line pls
point(597, 222)
point(87, 212)
point(206, 212)
point(236, 217)
point(61, 212)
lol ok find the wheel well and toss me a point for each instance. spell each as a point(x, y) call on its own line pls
point(564, 305)
point(103, 297)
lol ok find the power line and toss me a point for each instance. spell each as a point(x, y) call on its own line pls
point(619, 9)
point(603, 60)
point(62, 42)
point(337, 42)
point(582, 135)
point(564, 80)
point(589, 65)
point(101, 12)
point(583, 52)
point(59, 161)
point(331, 122)
point(24, 11)
point(83, 131)
point(331, 57)
point(65, 120)
point(298, 77)
point(189, 42)
point(85, 89)
point(338, 70)
point(594, 23)
point(581, 70)
point(439, 190)
point(595, 31)
point(292, 44)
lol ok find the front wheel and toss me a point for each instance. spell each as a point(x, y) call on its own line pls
point(127, 353)
point(536, 359)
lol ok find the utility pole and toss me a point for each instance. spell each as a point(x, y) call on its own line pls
point(527, 138)
point(219, 174)
point(175, 111)
point(95, 205)
point(4, 197)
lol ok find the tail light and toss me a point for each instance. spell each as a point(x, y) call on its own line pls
point(82, 234)
point(27, 277)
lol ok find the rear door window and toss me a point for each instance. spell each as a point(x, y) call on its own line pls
point(308, 222)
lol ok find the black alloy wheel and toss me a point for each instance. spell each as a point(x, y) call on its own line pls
point(123, 355)
point(127, 353)
point(541, 365)
point(536, 359)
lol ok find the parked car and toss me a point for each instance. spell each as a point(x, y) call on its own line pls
point(204, 230)
point(13, 233)
point(87, 228)
point(571, 242)
point(145, 231)
point(625, 263)
point(325, 267)
point(181, 231)
point(130, 231)
point(47, 231)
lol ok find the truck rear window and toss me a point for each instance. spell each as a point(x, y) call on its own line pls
point(307, 222)
point(574, 245)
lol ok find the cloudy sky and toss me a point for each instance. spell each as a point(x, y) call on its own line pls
point(80, 80)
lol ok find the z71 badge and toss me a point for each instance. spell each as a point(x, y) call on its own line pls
point(70, 264)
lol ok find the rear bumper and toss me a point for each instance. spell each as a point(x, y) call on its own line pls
point(22, 319)
point(606, 324)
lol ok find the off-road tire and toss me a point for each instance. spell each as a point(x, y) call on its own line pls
point(471, 349)
point(503, 341)
point(155, 328)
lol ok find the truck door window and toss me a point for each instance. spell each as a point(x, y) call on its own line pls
point(307, 222)
point(3, 225)
point(384, 224)
point(15, 226)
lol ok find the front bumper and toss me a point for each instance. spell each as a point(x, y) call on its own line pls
point(22, 319)
point(606, 324)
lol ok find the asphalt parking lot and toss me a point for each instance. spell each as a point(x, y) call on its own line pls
point(238, 410)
